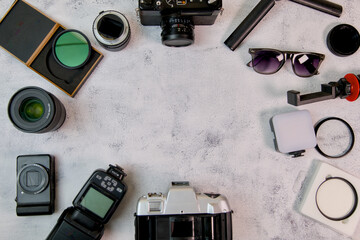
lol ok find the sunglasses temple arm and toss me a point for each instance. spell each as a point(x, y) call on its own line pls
point(249, 23)
point(323, 6)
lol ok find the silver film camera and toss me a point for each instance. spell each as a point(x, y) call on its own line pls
point(183, 214)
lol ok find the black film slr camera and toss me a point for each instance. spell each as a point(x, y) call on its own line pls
point(177, 18)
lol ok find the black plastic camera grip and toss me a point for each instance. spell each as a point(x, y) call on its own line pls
point(323, 6)
point(249, 23)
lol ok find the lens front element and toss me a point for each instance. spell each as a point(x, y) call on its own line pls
point(32, 109)
point(71, 49)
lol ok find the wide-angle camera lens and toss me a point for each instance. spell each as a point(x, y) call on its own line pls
point(34, 110)
point(112, 30)
point(177, 31)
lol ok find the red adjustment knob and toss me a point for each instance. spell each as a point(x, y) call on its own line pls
point(355, 87)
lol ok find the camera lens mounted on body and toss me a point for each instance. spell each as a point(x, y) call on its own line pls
point(177, 31)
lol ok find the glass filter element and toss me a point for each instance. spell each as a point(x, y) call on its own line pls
point(71, 49)
point(336, 198)
point(34, 110)
point(112, 30)
point(335, 137)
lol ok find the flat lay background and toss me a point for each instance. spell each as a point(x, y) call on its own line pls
point(196, 113)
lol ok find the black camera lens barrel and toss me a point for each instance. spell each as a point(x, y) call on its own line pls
point(112, 30)
point(53, 113)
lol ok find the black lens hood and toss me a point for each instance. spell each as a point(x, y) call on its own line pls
point(52, 118)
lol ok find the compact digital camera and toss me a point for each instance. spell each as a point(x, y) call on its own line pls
point(35, 191)
point(183, 214)
point(178, 18)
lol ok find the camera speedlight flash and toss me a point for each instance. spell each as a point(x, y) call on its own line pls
point(96, 202)
point(293, 131)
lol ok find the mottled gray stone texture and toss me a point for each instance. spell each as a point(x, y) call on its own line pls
point(196, 113)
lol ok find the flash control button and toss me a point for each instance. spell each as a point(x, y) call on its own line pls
point(114, 183)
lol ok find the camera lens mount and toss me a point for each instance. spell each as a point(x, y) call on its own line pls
point(177, 31)
point(33, 178)
point(34, 110)
point(112, 30)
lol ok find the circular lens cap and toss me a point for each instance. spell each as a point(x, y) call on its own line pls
point(343, 40)
point(336, 198)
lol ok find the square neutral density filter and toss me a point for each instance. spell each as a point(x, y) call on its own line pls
point(331, 197)
point(293, 131)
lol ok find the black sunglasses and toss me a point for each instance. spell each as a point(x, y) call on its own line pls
point(269, 61)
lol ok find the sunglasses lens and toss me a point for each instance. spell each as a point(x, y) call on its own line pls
point(267, 61)
point(306, 65)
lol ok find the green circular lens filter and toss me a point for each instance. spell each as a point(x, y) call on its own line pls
point(72, 49)
point(31, 110)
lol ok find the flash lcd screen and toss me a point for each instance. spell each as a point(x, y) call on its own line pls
point(96, 202)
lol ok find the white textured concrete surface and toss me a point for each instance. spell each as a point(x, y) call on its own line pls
point(196, 113)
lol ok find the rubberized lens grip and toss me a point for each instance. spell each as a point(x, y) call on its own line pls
point(323, 6)
point(249, 23)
